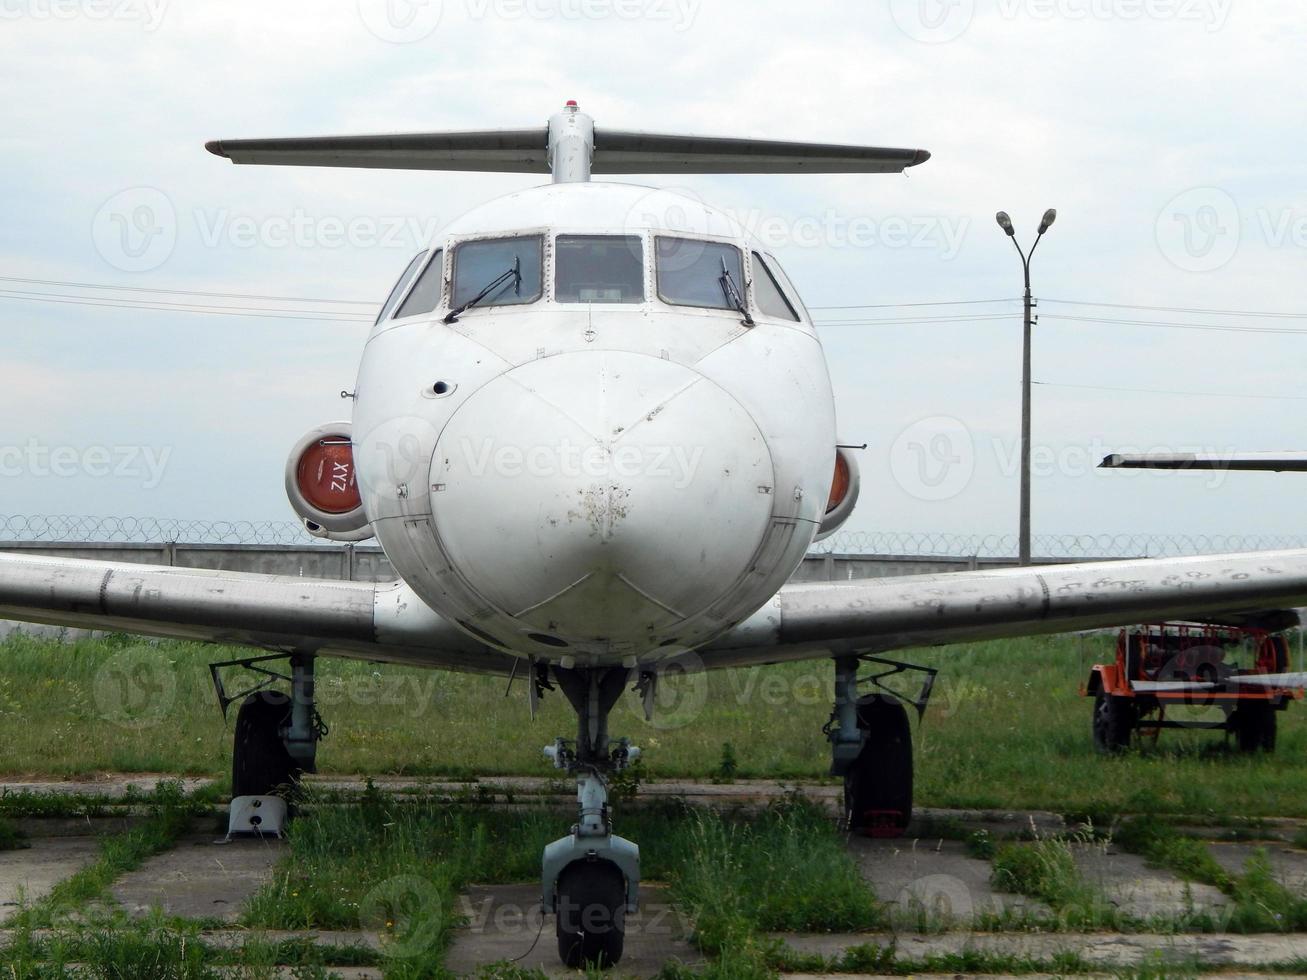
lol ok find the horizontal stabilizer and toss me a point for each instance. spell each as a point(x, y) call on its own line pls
point(492, 151)
point(527, 151)
point(1254, 462)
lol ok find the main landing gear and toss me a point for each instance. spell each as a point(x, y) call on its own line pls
point(591, 878)
point(871, 746)
point(275, 743)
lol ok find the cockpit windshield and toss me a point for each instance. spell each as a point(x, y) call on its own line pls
point(599, 269)
point(478, 263)
point(692, 272)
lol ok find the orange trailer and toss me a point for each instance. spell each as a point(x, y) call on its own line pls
point(1241, 670)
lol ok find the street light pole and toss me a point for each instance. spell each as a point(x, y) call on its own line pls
point(1023, 519)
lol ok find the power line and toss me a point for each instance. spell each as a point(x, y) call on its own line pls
point(1168, 325)
point(896, 321)
point(178, 308)
point(894, 306)
point(1165, 391)
point(186, 292)
point(1177, 309)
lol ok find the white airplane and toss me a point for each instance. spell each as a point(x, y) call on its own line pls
point(593, 430)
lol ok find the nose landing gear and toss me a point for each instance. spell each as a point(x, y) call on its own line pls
point(591, 878)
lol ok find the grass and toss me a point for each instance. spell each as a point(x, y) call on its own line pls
point(1006, 729)
point(397, 866)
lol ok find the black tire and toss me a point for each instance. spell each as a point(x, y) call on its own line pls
point(591, 919)
point(1114, 722)
point(878, 785)
point(260, 764)
point(1254, 726)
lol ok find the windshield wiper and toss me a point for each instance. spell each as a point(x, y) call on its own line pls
point(732, 294)
point(514, 273)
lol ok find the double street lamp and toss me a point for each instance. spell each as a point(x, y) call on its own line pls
point(1023, 532)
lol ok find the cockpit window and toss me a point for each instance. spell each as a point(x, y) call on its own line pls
point(511, 264)
point(787, 286)
point(398, 289)
point(692, 272)
point(425, 294)
point(599, 269)
point(767, 291)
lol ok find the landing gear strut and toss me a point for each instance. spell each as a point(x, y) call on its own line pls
point(591, 878)
point(871, 747)
point(275, 741)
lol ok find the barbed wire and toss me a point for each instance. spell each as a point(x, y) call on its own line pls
point(72, 529)
point(66, 528)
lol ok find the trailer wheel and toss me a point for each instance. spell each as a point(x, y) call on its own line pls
point(1114, 722)
point(1254, 724)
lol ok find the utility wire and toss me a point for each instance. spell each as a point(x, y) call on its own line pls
point(215, 311)
point(1165, 391)
point(186, 292)
point(1176, 309)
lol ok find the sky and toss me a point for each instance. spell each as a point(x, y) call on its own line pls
point(1169, 135)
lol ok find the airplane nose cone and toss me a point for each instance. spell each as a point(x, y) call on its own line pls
point(601, 499)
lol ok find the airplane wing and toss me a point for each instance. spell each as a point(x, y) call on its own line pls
point(1255, 462)
point(877, 615)
point(361, 620)
point(527, 151)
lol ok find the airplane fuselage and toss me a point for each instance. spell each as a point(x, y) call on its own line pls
point(595, 469)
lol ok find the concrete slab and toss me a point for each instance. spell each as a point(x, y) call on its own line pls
point(934, 878)
point(109, 785)
point(1141, 891)
point(504, 920)
point(1108, 951)
point(199, 879)
point(1288, 864)
point(30, 873)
